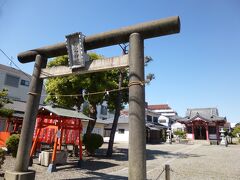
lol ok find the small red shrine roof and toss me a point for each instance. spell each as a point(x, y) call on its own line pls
point(63, 112)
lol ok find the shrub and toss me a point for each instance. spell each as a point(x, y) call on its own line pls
point(92, 142)
point(12, 144)
point(2, 157)
point(181, 134)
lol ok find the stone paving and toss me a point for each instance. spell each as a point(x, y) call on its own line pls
point(187, 161)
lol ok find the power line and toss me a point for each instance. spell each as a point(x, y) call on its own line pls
point(15, 64)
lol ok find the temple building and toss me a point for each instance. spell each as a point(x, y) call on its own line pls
point(203, 123)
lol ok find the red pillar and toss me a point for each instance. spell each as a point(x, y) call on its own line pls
point(7, 126)
point(35, 142)
point(15, 127)
point(61, 136)
point(80, 144)
point(55, 148)
point(193, 132)
point(207, 136)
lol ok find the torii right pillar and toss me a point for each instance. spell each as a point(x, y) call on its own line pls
point(137, 136)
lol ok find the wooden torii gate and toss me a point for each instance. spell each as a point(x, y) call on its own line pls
point(135, 35)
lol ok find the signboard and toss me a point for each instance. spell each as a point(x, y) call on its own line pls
point(76, 54)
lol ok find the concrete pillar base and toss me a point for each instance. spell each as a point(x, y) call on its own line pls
point(14, 175)
point(52, 168)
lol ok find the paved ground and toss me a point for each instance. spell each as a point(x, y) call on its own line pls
point(187, 161)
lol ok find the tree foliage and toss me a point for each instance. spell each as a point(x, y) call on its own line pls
point(74, 84)
point(236, 131)
point(4, 112)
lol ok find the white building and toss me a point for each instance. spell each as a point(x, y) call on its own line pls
point(160, 113)
point(16, 82)
point(122, 132)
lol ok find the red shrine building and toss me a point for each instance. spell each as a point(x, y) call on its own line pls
point(203, 123)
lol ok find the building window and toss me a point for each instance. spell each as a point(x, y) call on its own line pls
point(189, 129)
point(155, 119)
point(107, 132)
point(11, 80)
point(103, 110)
point(25, 82)
point(162, 121)
point(149, 118)
point(211, 129)
point(121, 131)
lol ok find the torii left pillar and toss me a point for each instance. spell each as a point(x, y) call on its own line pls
point(21, 171)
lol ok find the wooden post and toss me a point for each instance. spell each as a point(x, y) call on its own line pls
point(217, 132)
point(61, 136)
point(80, 143)
point(167, 172)
point(15, 127)
point(55, 149)
point(52, 166)
point(35, 142)
point(7, 125)
point(193, 137)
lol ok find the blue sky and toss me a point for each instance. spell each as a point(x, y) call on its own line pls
point(197, 68)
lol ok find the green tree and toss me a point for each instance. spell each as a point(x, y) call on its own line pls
point(4, 112)
point(236, 131)
point(238, 124)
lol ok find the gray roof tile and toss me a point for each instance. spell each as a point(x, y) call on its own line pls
point(64, 112)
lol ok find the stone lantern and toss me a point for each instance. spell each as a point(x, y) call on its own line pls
point(169, 136)
point(223, 139)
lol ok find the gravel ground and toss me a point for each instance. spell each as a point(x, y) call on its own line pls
point(187, 161)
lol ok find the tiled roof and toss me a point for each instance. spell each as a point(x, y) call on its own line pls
point(123, 119)
point(12, 70)
point(16, 106)
point(158, 107)
point(207, 114)
point(64, 112)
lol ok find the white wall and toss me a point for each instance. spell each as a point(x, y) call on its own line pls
point(189, 136)
point(163, 120)
point(122, 137)
point(177, 126)
point(119, 137)
point(212, 136)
